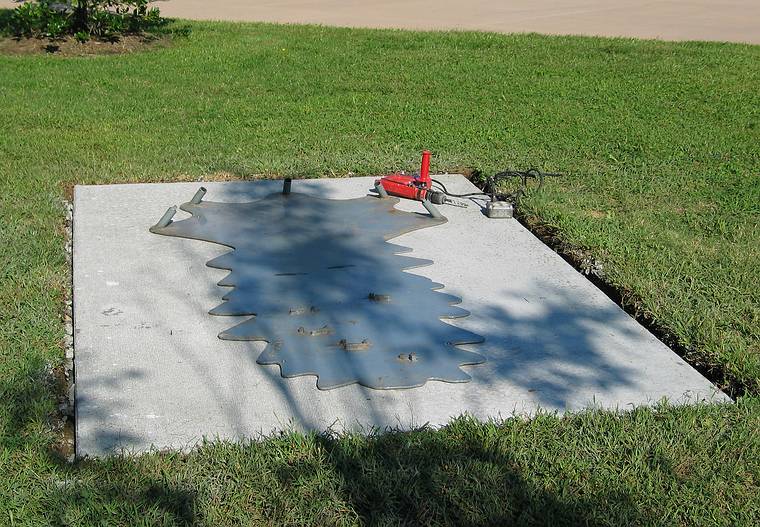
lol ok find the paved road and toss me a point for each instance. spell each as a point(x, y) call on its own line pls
point(730, 20)
point(722, 20)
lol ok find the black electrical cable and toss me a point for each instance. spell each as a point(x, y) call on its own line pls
point(445, 191)
point(490, 186)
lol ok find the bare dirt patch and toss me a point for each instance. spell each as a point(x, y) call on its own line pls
point(70, 47)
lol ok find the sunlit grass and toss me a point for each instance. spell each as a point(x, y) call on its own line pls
point(659, 144)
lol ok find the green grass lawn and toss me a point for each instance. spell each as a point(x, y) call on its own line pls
point(659, 144)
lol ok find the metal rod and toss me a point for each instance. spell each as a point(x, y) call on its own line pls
point(198, 196)
point(432, 210)
point(286, 185)
point(381, 191)
point(166, 219)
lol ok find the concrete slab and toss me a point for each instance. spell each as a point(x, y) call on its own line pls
point(150, 370)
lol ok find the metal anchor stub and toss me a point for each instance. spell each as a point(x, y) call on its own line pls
point(327, 291)
point(324, 330)
point(302, 310)
point(364, 345)
point(379, 298)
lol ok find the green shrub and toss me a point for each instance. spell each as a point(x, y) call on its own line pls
point(57, 26)
point(83, 18)
point(32, 19)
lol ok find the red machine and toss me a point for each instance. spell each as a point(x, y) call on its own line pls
point(417, 187)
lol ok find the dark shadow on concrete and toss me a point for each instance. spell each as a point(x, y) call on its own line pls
point(114, 440)
point(305, 265)
point(386, 276)
point(309, 290)
point(548, 351)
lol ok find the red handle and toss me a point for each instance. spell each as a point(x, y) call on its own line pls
point(425, 169)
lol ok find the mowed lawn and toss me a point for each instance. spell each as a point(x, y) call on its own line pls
point(660, 147)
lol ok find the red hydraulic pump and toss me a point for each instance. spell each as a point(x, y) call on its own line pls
point(417, 187)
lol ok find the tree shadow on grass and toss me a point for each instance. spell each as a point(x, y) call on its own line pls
point(460, 475)
point(129, 495)
point(25, 399)
point(88, 490)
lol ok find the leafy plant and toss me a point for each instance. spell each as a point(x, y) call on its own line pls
point(29, 18)
point(103, 24)
point(84, 18)
point(82, 36)
point(57, 26)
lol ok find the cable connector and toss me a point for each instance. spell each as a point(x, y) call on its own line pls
point(500, 209)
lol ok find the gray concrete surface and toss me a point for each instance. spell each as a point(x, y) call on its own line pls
point(150, 370)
